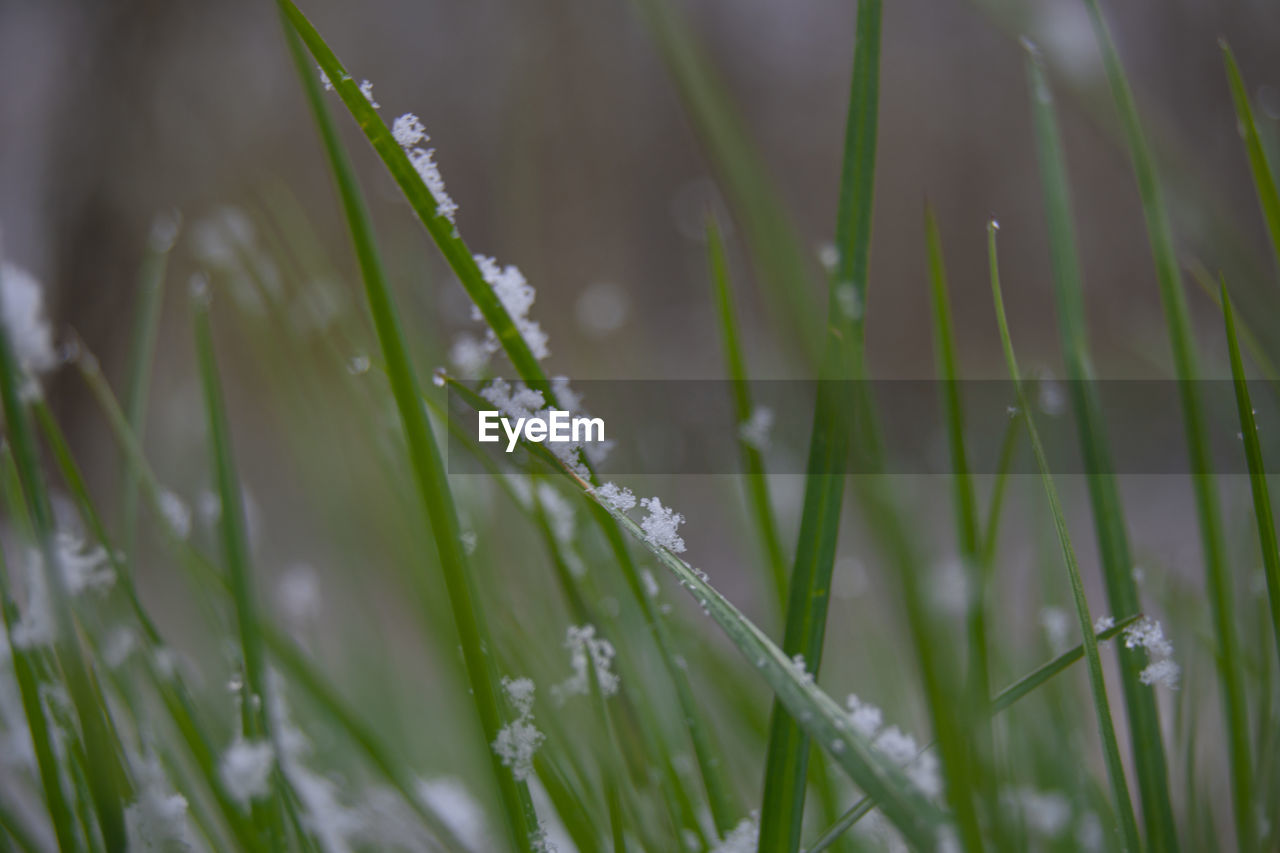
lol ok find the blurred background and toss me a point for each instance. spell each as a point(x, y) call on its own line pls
point(563, 138)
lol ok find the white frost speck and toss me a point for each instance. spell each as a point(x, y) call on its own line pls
point(246, 769)
point(618, 497)
point(176, 514)
point(754, 431)
point(587, 652)
point(660, 525)
point(519, 739)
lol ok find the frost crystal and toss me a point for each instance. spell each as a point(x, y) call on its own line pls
point(246, 769)
point(801, 669)
point(366, 89)
point(176, 514)
point(423, 160)
point(1103, 623)
point(408, 131)
point(468, 355)
point(743, 838)
point(516, 296)
point(82, 567)
point(518, 740)
point(866, 718)
point(754, 431)
point(157, 819)
point(618, 497)
point(35, 627)
point(1165, 673)
point(587, 652)
point(660, 525)
point(896, 745)
point(22, 312)
point(1147, 634)
point(325, 81)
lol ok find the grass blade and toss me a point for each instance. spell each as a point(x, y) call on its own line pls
point(1104, 493)
point(1111, 751)
point(752, 461)
point(782, 808)
point(1263, 181)
point(106, 780)
point(1257, 470)
point(1217, 580)
point(428, 468)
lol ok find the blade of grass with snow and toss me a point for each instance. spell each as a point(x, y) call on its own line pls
point(428, 468)
point(1104, 493)
point(1264, 182)
point(1182, 342)
point(1102, 708)
point(1257, 469)
point(782, 808)
point(106, 779)
point(752, 462)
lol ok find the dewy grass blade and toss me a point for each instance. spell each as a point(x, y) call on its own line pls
point(107, 782)
point(1182, 342)
point(1104, 493)
point(442, 231)
point(1110, 749)
point(1257, 470)
point(428, 467)
point(1263, 180)
point(782, 809)
point(752, 462)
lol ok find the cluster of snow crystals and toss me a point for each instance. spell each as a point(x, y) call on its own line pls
point(83, 568)
point(516, 296)
point(245, 769)
point(801, 669)
point(366, 89)
point(1162, 670)
point(755, 430)
point(587, 652)
point(743, 838)
point(22, 312)
point(35, 626)
point(157, 819)
point(468, 354)
point(409, 133)
point(618, 497)
point(1057, 628)
point(896, 745)
point(176, 513)
point(660, 525)
point(324, 79)
point(470, 541)
point(518, 401)
point(1045, 813)
point(1103, 623)
point(457, 810)
point(518, 740)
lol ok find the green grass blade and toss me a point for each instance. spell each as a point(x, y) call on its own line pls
point(145, 329)
point(752, 462)
point(1182, 342)
point(778, 254)
point(428, 468)
point(106, 781)
point(977, 687)
point(234, 541)
point(1104, 494)
point(995, 504)
point(782, 808)
point(1102, 708)
point(1257, 470)
point(1263, 181)
point(442, 231)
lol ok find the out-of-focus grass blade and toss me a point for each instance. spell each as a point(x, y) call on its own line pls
point(782, 809)
point(1104, 493)
point(106, 780)
point(752, 463)
point(995, 505)
point(1257, 470)
point(1110, 749)
point(977, 687)
point(1263, 181)
point(1182, 341)
point(442, 231)
point(164, 232)
point(1011, 694)
point(428, 468)
point(783, 264)
point(254, 719)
